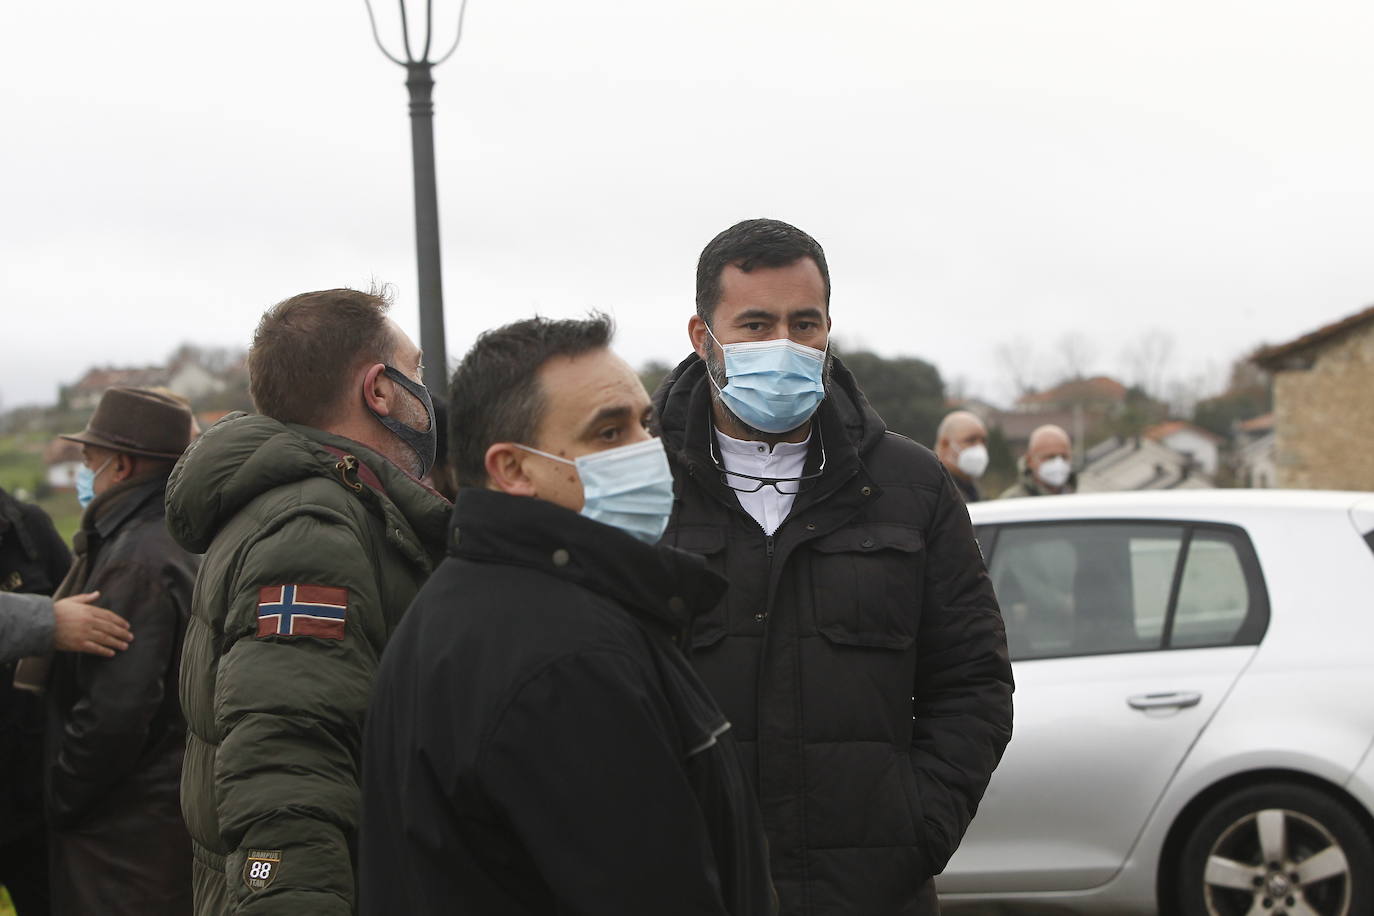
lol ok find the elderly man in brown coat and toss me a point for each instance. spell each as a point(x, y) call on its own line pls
point(115, 732)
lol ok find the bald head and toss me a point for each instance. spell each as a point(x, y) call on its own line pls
point(1048, 443)
point(958, 432)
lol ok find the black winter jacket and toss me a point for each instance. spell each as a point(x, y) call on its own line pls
point(536, 743)
point(859, 652)
point(33, 559)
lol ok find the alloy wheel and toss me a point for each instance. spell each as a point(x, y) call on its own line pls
point(1277, 862)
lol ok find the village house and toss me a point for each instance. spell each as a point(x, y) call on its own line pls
point(1323, 408)
point(1139, 463)
point(1253, 452)
point(1203, 445)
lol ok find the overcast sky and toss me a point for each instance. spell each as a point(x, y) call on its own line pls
point(980, 173)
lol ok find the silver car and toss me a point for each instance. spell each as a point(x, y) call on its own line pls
point(1194, 707)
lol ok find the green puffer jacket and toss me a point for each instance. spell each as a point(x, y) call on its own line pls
point(270, 787)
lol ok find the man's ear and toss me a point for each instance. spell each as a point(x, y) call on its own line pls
point(377, 389)
point(696, 333)
point(125, 466)
point(505, 465)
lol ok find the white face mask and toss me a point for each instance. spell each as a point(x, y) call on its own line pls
point(973, 460)
point(1054, 472)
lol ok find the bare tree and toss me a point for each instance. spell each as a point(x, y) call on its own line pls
point(1075, 353)
point(1147, 360)
point(1018, 362)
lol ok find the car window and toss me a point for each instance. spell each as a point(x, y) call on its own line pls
point(1084, 589)
point(1214, 595)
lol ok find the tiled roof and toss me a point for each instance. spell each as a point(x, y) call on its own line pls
point(1270, 356)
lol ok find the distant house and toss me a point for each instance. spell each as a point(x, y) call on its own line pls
point(193, 381)
point(1096, 394)
point(1139, 463)
point(62, 459)
point(1203, 445)
point(1323, 408)
point(1255, 464)
point(86, 393)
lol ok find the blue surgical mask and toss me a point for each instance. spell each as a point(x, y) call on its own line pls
point(630, 487)
point(772, 385)
point(85, 482)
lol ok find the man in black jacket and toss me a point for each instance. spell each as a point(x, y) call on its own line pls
point(33, 560)
point(115, 733)
point(860, 651)
point(536, 743)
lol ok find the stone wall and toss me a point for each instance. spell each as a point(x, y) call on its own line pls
point(1324, 417)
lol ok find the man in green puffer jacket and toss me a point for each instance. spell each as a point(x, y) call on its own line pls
point(316, 536)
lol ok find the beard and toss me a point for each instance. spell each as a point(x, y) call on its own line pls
point(715, 365)
point(412, 413)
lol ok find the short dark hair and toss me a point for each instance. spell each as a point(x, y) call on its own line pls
point(495, 395)
point(754, 243)
point(305, 349)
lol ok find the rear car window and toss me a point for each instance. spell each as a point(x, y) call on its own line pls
point(1093, 588)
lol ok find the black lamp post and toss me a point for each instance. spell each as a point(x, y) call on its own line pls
point(420, 82)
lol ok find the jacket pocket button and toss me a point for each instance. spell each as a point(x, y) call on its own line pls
point(561, 557)
point(810, 526)
point(868, 542)
point(760, 617)
point(867, 491)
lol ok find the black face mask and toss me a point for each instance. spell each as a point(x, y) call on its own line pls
point(423, 442)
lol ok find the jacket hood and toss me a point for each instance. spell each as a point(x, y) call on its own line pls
point(686, 393)
point(245, 455)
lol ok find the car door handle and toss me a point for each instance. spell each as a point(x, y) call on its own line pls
point(1181, 700)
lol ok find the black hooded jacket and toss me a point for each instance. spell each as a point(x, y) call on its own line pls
point(537, 744)
point(859, 652)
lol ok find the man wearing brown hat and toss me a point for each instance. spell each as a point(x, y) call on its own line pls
point(115, 732)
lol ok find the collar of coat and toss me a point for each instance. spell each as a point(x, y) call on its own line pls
point(245, 455)
point(662, 586)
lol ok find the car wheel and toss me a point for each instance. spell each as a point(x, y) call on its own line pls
point(1277, 849)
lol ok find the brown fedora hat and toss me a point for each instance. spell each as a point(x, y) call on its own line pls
point(139, 422)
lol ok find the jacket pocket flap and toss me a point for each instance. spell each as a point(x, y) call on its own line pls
point(844, 636)
point(707, 631)
point(700, 539)
point(865, 538)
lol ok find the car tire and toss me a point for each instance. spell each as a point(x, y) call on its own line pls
point(1291, 845)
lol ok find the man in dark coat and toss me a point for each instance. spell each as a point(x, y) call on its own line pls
point(536, 743)
point(33, 560)
point(860, 651)
point(115, 734)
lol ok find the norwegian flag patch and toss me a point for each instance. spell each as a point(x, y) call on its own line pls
point(302, 610)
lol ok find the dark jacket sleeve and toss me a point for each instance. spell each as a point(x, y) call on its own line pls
point(291, 710)
point(26, 626)
point(105, 731)
point(585, 767)
point(963, 681)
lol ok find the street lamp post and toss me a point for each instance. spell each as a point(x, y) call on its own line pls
point(420, 82)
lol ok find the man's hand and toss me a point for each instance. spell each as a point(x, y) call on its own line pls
point(83, 627)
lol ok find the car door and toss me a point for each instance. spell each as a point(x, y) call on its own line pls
point(1125, 637)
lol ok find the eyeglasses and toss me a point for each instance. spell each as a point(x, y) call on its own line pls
point(748, 483)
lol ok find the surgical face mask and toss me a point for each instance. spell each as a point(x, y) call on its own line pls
point(423, 442)
point(630, 487)
point(1054, 471)
point(973, 460)
point(772, 385)
point(85, 482)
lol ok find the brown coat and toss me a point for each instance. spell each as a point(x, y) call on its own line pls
point(115, 733)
